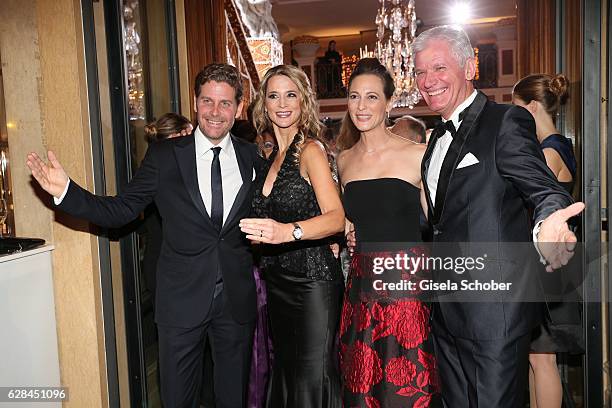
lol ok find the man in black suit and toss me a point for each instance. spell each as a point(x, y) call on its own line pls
point(201, 185)
point(479, 170)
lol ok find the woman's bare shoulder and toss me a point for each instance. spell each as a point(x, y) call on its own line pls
point(406, 146)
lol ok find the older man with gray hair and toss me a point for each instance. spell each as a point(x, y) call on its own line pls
point(479, 171)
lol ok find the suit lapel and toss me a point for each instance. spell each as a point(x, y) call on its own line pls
point(184, 151)
point(425, 168)
point(245, 164)
point(454, 152)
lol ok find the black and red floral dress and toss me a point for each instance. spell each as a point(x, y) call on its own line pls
point(386, 354)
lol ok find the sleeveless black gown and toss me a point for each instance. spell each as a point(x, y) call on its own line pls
point(386, 357)
point(562, 330)
point(305, 285)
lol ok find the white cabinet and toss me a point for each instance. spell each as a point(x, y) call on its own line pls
point(28, 335)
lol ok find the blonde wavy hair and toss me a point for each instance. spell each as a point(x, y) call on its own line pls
point(308, 123)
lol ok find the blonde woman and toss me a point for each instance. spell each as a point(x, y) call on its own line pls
point(298, 210)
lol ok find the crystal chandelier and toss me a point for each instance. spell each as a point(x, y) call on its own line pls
point(397, 24)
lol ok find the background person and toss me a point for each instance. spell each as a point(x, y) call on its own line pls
point(410, 128)
point(334, 69)
point(331, 55)
point(168, 126)
point(266, 142)
point(561, 332)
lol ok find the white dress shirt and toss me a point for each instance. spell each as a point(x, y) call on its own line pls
point(441, 148)
point(230, 172)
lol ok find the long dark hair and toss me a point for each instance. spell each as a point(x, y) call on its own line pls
point(349, 134)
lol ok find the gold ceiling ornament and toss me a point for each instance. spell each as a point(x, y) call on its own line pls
point(397, 24)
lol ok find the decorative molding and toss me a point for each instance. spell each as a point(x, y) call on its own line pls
point(233, 17)
point(507, 21)
point(257, 18)
point(267, 52)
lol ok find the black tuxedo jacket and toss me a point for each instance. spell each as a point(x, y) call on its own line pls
point(192, 248)
point(488, 202)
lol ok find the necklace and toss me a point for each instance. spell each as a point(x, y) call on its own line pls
point(405, 139)
point(374, 149)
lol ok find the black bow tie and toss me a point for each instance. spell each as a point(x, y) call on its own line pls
point(450, 127)
point(443, 127)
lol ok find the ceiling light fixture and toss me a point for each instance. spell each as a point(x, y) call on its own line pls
point(397, 23)
point(461, 13)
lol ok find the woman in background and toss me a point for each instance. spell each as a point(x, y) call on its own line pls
point(168, 126)
point(298, 210)
point(263, 352)
point(542, 95)
point(266, 142)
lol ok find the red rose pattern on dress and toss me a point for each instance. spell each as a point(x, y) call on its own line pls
point(362, 317)
point(361, 367)
point(400, 371)
point(345, 318)
point(429, 363)
point(392, 321)
point(386, 359)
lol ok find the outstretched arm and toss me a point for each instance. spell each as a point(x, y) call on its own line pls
point(520, 160)
point(100, 210)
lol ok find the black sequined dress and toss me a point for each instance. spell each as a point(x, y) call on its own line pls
point(305, 285)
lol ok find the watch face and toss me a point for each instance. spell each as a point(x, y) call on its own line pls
point(297, 233)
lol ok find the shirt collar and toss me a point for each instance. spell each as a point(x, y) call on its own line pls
point(462, 106)
point(203, 145)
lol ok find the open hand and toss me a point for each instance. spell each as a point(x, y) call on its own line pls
point(556, 241)
point(51, 177)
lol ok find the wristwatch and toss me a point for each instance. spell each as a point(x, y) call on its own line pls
point(298, 233)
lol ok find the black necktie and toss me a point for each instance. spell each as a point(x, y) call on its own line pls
point(216, 188)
